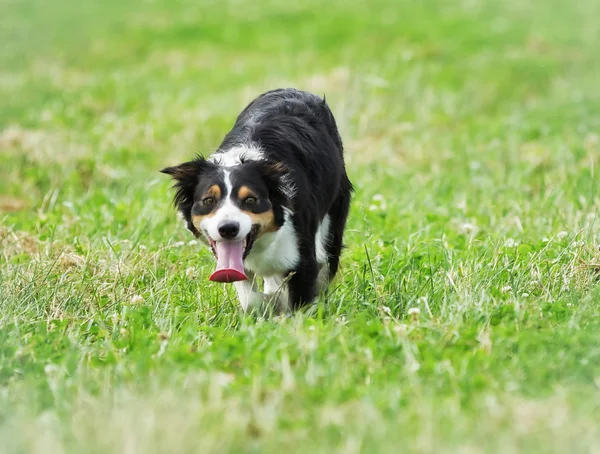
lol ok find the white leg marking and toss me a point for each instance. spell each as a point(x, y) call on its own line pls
point(273, 284)
point(276, 294)
point(322, 240)
point(248, 292)
point(275, 299)
point(323, 278)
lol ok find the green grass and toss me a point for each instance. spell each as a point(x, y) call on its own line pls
point(472, 136)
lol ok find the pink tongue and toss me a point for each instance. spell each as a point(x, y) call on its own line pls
point(230, 262)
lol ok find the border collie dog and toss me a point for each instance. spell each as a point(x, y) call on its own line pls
point(272, 201)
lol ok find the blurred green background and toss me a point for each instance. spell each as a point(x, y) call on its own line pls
point(471, 131)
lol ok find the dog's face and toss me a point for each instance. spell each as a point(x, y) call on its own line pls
point(233, 204)
point(225, 205)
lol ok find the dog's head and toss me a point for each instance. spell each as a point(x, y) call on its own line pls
point(228, 206)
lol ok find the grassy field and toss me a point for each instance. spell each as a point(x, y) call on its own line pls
point(472, 136)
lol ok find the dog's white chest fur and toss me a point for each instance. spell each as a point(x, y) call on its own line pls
point(275, 253)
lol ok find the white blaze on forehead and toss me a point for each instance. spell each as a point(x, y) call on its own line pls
point(251, 152)
point(234, 156)
point(228, 211)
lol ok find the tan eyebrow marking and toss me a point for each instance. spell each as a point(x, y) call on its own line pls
point(245, 192)
point(214, 191)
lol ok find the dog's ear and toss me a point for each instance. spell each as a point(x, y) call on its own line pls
point(273, 171)
point(186, 176)
point(183, 171)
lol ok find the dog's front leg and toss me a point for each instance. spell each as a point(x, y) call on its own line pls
point(276, 294)
point(248, 293)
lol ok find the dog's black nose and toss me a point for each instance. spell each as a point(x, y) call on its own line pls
point(228, 229)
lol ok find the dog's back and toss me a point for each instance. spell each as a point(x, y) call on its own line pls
point(298, 129)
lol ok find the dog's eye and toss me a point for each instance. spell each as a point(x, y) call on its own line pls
point(250, 200)
point(208, 201)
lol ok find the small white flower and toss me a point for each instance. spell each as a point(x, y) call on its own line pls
point(142, 247)
point(137, 299)
point(414, 314)
point(510, 243)
point(545, 240)
point(379, 203)
point(525, 294)
point(506, 289)
point(179, 244)
point(561, 235)
point(387, 310)
point(468, 228)
point(190, 272)
point(192, 243)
